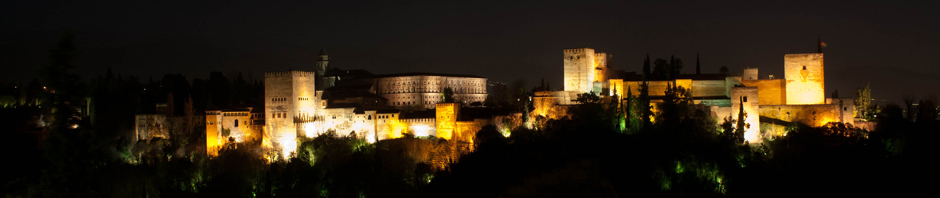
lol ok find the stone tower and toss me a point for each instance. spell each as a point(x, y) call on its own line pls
point(322, 65)
point(579, 69)
point(446, 121)
point(805, 78)
point(601, 68)
point(288, 95)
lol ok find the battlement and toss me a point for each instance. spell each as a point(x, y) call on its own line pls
point(288, 73)
point(577, 50)
point(442, 105)
point(803, 54)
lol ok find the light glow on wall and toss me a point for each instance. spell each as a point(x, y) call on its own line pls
point(395, 128)
point(309, 129)
point(421, 130)
point(752, 136)
point(288, 146)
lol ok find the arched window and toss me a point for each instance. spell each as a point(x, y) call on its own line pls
point(236, 122)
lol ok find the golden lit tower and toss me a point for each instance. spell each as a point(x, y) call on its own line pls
point(289, 97)
point(446, 120)
point(805, 78)
point(579, 69)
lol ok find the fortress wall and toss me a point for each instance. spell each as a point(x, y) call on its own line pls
point(548, 104)
point(772, 91)
point(847, 106)
point(242, 131)
point(389, 125)
point(812, 115)
point(708, 88)
point(805, 78)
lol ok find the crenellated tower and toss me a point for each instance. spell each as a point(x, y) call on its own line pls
point(579, 69)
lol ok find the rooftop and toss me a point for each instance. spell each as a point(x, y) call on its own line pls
point(425, 74)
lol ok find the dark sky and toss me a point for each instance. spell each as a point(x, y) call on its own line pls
point(895, 46)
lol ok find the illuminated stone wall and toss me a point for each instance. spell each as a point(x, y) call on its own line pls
point(579, 69)
point(467, 130)
point(750, 74)
point(772, 91)
point(446, 114)
point(708, 88)
point(699, 88)
point(213, 132)
point(747, 97)
point(616, 88)
point(389, 126)
point(805, 78)
point(288, 95)
point(552, 104)
point(420, 126)
point(149, 126)
point(600, 67)
point(812, 115)
point(847, 106)
point(424, 91)
point(238, 123)
point(341, 120)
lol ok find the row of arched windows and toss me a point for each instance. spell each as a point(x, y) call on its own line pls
point(235, 114)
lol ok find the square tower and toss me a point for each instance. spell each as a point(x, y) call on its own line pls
point(289, 97)
point(579, 69)
point(446, 119)
point(805, 79)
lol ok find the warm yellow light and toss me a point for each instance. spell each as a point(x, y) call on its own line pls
point(421, 130)
point(752, 136)
point(288, 146)
point(309, 129)
point(395, 128)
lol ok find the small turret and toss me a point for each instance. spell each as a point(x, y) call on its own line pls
point(323, 55)
point(323, 65)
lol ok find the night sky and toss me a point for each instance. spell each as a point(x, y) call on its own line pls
point(895, 46)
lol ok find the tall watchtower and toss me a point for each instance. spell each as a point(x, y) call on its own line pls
point(805, 78)
point(288, 96)
point(579, 69)
point(322, 65)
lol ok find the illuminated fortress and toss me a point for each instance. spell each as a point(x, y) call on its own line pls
point(305, 104)
point(799, 97)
